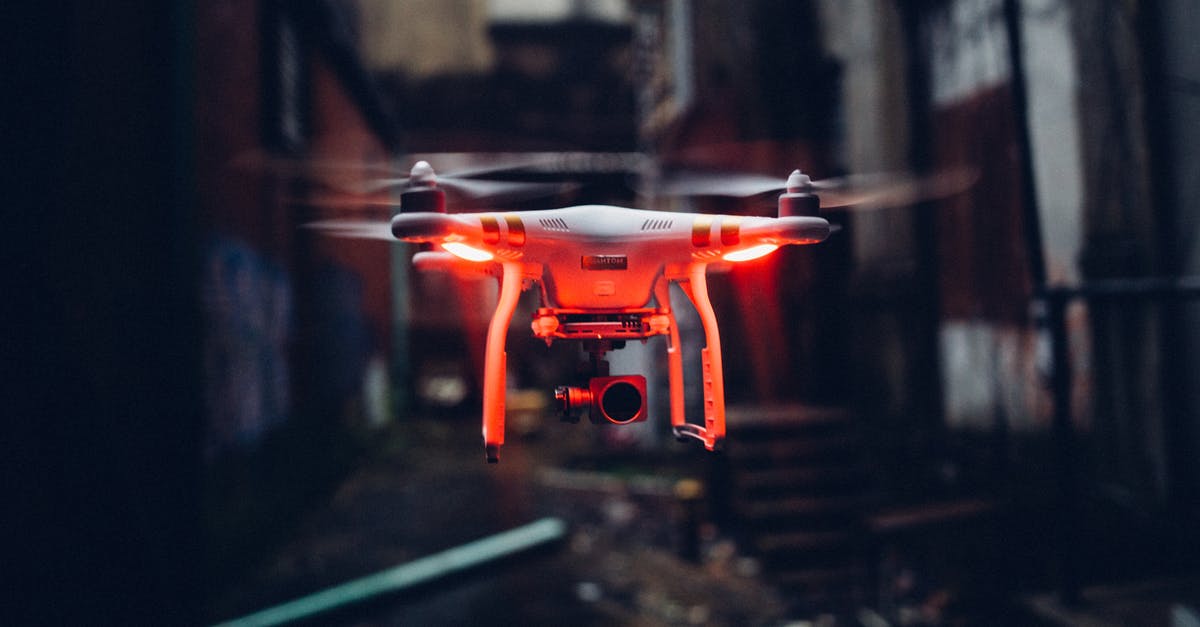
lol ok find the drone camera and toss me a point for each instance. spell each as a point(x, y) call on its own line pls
point(619, 400)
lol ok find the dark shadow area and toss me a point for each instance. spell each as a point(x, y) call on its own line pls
point(974, 403)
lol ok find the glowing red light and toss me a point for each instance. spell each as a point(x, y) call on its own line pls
point(545, 326)
point(754, 252)
point(463, 251)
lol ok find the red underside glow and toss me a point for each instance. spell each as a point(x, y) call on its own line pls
point(463, 251)
point(754, 252)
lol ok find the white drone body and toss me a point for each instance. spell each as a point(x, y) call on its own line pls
point(604, 274)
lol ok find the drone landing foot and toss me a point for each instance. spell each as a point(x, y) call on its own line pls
point(686, 432)
point(493, 453)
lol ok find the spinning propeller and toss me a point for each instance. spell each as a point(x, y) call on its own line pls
point(505, 179)
point(799, 195)
point(494, 191)
point(863, 191)
point(362, 187)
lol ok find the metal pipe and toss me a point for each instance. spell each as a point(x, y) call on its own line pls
point(1063, 429)
point(1020, 102)
point(1164, 288)
point(1056, 301)
point(406, 576)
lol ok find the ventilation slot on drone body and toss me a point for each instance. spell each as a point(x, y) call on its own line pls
point(657, 225)
point(554, 224)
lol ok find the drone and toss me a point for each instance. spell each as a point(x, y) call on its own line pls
point(604, 274)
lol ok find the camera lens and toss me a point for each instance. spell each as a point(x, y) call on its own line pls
point(621, 402)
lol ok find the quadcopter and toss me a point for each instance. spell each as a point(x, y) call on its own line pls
point(603, 273)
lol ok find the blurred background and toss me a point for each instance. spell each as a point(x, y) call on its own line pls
point(976, 403)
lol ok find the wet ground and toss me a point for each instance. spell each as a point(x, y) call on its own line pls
point(633, 554)
point(427, 489)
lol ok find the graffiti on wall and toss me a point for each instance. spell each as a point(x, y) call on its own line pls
point(248, 317)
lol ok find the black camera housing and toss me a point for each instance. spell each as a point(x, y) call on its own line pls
point(619, 400)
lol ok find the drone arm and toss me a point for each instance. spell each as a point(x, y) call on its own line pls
point(434, 227)
point(494, 363)
point(787, 230)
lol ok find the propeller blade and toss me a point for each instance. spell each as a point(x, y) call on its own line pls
point(570, 164)
point(874, 191)
point(883, 191)
point(258, 160)
point(499, 191)
point(730, 185)
point(354, 229)
point(475, 166)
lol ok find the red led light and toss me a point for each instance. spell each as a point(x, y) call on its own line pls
point(545, 326)
point(470, 253)
point(754, 252)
